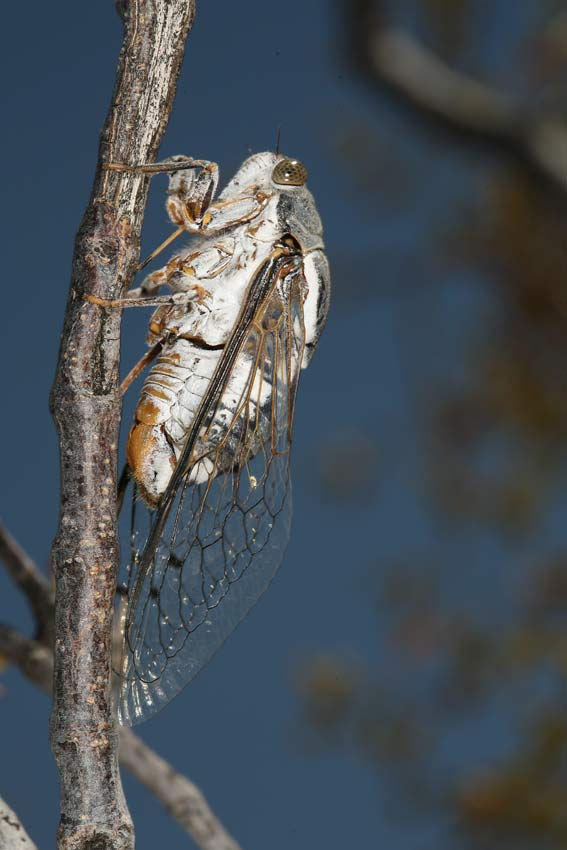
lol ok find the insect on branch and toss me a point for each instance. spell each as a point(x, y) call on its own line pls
point(85, 404)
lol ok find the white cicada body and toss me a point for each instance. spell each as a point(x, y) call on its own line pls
point(210, 445)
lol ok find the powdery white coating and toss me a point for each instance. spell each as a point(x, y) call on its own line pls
point(218, 267)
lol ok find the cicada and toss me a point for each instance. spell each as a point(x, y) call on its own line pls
point(209, 450)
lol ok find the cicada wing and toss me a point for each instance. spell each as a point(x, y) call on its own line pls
point(229, 520)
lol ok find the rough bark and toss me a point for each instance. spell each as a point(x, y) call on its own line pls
point(85, 404)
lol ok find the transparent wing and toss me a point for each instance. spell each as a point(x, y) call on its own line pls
point(197, 571)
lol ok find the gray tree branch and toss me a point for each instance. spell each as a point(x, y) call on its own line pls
point(85, 403)
point(30, 581)
point(34, 659)
point(12, 834)
point(478, 113)
point(181, 798)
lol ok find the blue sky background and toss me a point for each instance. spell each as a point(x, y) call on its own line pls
point(388, 347)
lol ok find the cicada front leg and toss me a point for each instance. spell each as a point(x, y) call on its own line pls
point(190, 205)
point(191, 192)
point(190, 202)
point(138, 298)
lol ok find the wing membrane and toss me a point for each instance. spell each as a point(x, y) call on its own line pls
point(200, 562)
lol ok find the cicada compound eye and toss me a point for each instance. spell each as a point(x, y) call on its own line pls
point(289, 172)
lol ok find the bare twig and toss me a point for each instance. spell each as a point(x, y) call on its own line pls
point(12, 834)
point(180, 797)
point(34, 659)
point(85, 403)
point(29, 579)
point(475, 111)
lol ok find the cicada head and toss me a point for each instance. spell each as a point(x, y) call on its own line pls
point(269, 172)
point(284, 179)
point(253, 175)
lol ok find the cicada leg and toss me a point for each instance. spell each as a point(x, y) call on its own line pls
point(174, 163)
point(166, 242)
point(192, 181)
point(139, 367)
point(138, 299)
point(122, 487)
point(190, 203)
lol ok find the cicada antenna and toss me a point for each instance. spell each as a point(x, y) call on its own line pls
point(278, 135)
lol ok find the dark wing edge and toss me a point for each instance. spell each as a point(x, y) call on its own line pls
point(225, 521)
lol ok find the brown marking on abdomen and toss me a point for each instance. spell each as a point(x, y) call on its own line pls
point(147, 451)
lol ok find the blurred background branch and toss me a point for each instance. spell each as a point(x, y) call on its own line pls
point(460, 708)
point(25, 574)
point(475, 111)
